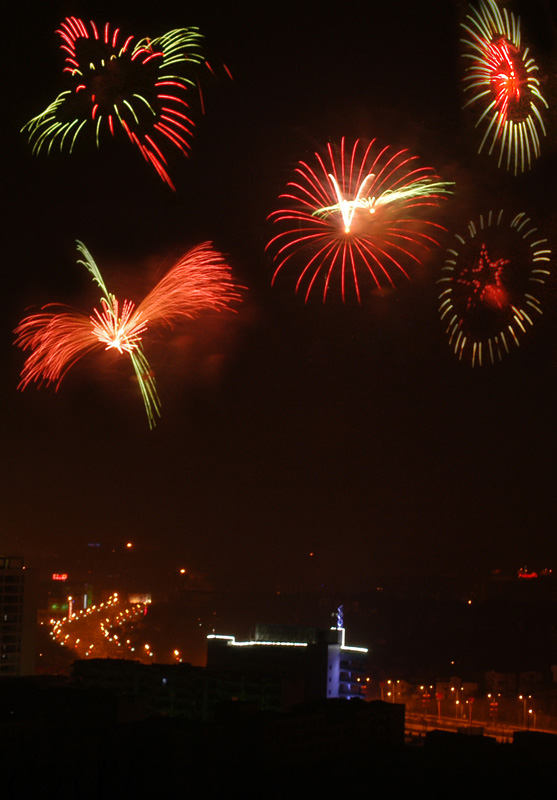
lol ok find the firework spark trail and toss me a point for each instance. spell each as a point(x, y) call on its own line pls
point(142, 89)
point(488, 299)
point(421, 188)
point(198, 282)
point(57, 340)
point(357, 218)
point(501, 78)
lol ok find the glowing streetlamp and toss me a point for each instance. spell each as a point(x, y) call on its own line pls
point(524, 699)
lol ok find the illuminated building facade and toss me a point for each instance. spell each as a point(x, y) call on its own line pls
point(18, 618)
point(313, 664)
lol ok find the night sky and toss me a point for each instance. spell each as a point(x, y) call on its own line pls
point(350, 433)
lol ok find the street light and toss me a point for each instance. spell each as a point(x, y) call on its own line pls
point(531, 716)
point(470, 701)
point(524, 699)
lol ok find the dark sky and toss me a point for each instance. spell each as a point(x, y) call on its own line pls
point(349, 432)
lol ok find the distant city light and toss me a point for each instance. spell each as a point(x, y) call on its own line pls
point(523, 573)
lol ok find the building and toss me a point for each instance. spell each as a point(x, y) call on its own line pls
point(175, 690)
point(313, 664)
point(18, 618)
point(61, 598)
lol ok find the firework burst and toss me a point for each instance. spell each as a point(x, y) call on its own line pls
point(115, 84)
point(58, 337)
point(490, 284)
point(356, 217)
point(501, 78)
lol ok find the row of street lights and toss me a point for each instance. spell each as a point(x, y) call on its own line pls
point(390, 689)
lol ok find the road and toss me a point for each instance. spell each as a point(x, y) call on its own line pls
point(417, 725)
point(103, 631)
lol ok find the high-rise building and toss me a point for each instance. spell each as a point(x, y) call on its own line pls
point(18, 618)
point(314, 663)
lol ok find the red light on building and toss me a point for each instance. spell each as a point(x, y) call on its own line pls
point(59, 576)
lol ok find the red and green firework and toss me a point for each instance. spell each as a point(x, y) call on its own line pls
point(356, 217)
point(490, 284)
point(501, 81)
point(58, 337)
point(117, 84)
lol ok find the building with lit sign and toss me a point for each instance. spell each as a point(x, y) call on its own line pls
point(313, 664)
point(65, 597)
point(18, 618)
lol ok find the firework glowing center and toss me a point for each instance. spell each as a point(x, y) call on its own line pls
point(345, 207)
point(484, 281)
point(505, 78)
point(122, 333)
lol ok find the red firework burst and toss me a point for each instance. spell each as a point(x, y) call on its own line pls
point(141, 88)
point(501, 82)
point(59, 337)
point(354, 218)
